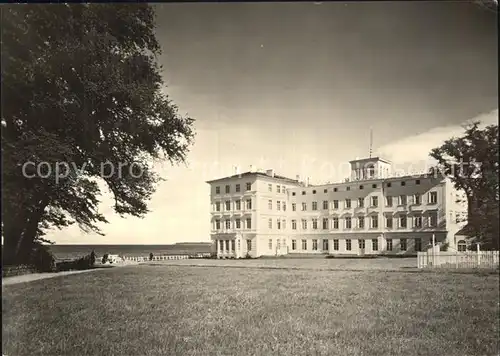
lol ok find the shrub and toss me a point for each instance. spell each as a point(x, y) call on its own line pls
point(444, 247)
point(17, 270)
point(42, 259)
point(104, 258)
point(82, 263)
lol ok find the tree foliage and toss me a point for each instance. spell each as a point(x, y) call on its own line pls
point(81, 85)
point(471, 161)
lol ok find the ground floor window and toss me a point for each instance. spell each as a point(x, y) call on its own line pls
point(403, 244)
point(348, 245)
point(315, 245)
point(389, 244)
point(325, 245)
point(294, 244)
point(304, 244)
point(270, 244)
point(418, 245)
point(227, 245)
point(249, 245)
point(336, 245)
point(462, 246)
point(233, 245)
point(361, 244)
point(375, 245)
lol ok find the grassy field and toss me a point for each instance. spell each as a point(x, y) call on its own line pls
point(319, 263)
point(181, 310)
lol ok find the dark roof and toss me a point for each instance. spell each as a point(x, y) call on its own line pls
point(465, 231)
point(249, 174)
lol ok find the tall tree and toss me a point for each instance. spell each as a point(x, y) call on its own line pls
point(81, 85)
point(471, 162)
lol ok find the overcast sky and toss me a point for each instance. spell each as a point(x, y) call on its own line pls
point(297, 86)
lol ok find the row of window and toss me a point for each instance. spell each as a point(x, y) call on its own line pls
point(282, 189)
point(415, 199)
point(360, 220)
point(279, 244)
point(403, 246)
point(279, 188)
point(230, 245)
point(280, 205)
point(349, 222)
point(361, 187)
point(227, 188)
point(237, 205)
point(237, 224)
point(237, 188)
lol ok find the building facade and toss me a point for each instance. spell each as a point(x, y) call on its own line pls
point(257, 214)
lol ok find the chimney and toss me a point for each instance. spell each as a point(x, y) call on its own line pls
point(270, 172)
point(251, 168)
point(298, 177)
point(237, 170)
point(307, 182)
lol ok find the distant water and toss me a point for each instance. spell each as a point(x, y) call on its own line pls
point(74, 251)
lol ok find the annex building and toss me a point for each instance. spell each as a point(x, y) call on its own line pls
point(260, 213)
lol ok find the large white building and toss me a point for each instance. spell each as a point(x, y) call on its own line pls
point(263, 214)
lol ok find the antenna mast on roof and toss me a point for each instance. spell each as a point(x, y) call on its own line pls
point(371, 141)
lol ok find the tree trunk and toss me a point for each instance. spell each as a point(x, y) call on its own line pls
point(20, 232)
point(12, 230)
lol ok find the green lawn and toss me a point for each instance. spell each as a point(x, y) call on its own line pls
point(170, 310)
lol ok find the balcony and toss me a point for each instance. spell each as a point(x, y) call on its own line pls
point(416, 207)
point(360, 210)
point(432, 206)
point(373, 208)
point(401, 208)
point(228, 233)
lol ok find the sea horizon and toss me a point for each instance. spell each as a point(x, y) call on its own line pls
point(73, 251)
point(128, 244)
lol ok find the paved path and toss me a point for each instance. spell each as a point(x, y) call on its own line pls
point(36, 276)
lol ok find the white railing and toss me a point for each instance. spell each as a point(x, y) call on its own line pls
point(166, 257)
point(468, 259)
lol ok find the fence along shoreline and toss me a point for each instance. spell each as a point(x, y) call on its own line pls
point(166, 257)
